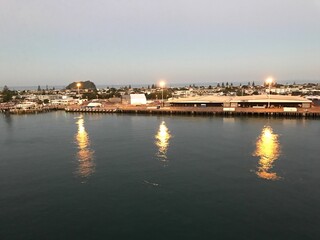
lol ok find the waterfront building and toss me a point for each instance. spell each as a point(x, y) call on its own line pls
point(26, 105)
point(65, 100)
point(135, 99)
point(254, 101)
point(94, 105)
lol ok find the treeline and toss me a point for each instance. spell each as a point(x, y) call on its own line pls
point(7, 94)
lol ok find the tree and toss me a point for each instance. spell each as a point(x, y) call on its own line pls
point(218, 85)
point(158, 95)
point(239, 92)
point(5, 89)
point(7, 94)
point(222, 85)
point(253, 84)
point(39, 88)
point(89, 95)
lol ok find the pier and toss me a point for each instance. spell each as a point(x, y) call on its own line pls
point(208, 111)
point(313, 112)
point(13, 110)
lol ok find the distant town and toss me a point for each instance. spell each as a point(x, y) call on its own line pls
point(229, 97)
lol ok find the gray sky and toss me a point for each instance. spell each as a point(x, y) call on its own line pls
point(141, 41)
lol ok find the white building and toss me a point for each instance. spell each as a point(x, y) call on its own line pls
point(94, 105)
point(135, 99)
point(26, 105)
point(64, 101)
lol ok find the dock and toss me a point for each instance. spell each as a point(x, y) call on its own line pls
point(13, 110)
point(208, 111)
point(313, 112)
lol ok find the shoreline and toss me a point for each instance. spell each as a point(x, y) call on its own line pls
point(313, 112)
point(209, 111)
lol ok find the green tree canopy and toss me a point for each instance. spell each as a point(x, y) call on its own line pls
point(7, 94)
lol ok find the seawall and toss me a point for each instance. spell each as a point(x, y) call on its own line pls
point(209, 111)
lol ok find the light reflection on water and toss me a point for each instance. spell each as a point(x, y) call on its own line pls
point(268, 149)
point(85, 154)
point(162, 141)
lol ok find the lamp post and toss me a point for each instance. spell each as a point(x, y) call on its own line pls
point(78, 86)
point(162, 84)
point(269, 81)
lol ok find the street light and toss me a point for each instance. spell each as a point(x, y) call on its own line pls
point(78, 85)
point(162, 85)
point(269, 81)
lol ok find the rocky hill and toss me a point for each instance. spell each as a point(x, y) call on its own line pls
point(84, 85)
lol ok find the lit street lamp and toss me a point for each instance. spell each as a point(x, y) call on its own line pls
point(162, 84)
point(269, 81)
point(78, 86)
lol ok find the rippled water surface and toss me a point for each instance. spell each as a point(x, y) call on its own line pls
point(95, 176)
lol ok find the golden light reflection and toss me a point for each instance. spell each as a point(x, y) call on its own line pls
point(85, 155)
point(268, 149)
point(162, 141)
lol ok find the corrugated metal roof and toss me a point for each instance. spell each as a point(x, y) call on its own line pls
point(253, 98)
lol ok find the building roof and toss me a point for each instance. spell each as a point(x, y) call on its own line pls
point(252, 98)
point(137, 95)
point(271, 98)
point(203, 99)
point(94, 104)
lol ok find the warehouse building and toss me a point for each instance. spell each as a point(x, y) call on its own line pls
point(255, 101)
point(134, 99)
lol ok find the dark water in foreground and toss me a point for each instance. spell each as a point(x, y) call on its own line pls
point(72, 176)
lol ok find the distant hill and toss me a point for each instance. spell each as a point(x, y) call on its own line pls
point(84, 85)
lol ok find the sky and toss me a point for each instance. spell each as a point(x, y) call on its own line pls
point(46, 42)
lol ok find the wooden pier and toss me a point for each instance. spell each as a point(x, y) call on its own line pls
point(313, 112)
point(13, 110)
point(208, 111)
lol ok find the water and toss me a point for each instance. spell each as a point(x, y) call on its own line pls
point(95, 176)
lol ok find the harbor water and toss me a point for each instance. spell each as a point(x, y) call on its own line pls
point(117, 176)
